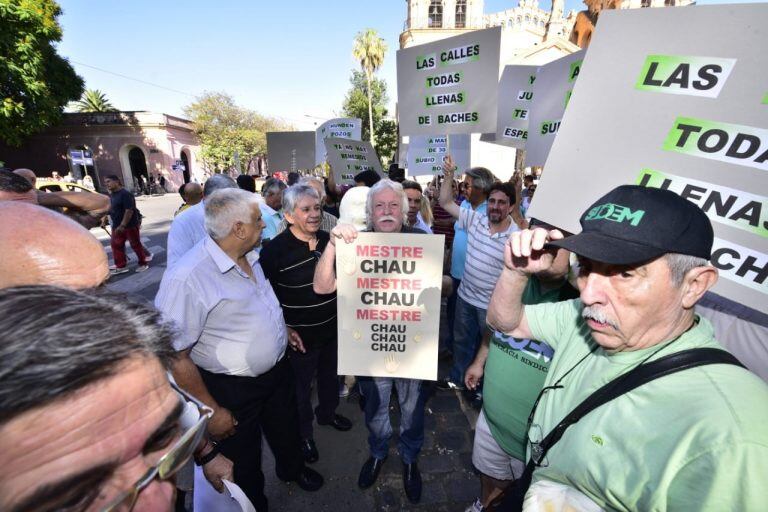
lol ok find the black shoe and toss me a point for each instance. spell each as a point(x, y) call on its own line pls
point(412, 482)
point(339, 422)
point(309, 480)
point(309, 450)
point(370, 472)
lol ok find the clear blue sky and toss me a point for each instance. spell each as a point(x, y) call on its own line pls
point(290, 59)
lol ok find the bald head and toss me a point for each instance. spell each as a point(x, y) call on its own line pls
point(193, 193)
point(39, 246)
point(27, 174)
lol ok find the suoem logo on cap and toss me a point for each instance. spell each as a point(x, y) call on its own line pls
point(615, 213)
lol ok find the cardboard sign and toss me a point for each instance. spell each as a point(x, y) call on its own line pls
point(515, 102)
point(290, 151)
point(551, 94)
point(680, 111)
point(350, 157)
point(340, 128)
point(425, 154)
point(388, 293)
point(449, 86)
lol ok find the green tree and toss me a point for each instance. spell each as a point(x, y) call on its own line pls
point(36, 83)
point(94, 100)
point(224, 127)
point(369, 49)
point(356, 104)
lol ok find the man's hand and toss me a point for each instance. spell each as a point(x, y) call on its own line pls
point(222, 424)
point(218, 469)
point(295, 341)
point(524, 251)
point(449, 167)
point(119, 229)
point(347, 232)
point(473, 375)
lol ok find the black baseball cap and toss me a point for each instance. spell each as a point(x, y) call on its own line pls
point(633, 224)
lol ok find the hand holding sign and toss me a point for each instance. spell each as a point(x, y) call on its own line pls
point(448, 167)
point(345, 231)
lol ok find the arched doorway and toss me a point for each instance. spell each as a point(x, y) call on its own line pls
point(186, 169)
point(138, 165)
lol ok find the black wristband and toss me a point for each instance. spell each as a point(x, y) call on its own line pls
point(208, 457)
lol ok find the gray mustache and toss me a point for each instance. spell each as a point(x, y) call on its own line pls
point(597, 314)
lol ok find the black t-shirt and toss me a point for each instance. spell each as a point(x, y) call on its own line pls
point(290, 267)
point(119, 201)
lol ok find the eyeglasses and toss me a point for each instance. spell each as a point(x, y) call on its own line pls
point(535, 433)
point(170, 463)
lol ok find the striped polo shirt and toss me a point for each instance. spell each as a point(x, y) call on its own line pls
point(485, 257)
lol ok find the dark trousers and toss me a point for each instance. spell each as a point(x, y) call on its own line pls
point(118, 246)
point(265, 403)
point(450, 308)
point(320, 361)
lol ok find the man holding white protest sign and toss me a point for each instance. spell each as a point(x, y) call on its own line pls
point(386, 212)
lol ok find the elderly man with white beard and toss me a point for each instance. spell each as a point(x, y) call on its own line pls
point(642, 409)
point(386, 211)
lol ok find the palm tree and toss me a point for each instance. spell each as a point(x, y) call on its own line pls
point(94, 100)
point(369, 49)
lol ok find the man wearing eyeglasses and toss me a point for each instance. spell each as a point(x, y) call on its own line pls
point(231, 343)
point(88, 418)
point(29, 259)
point(289, 262)
point(692, 440)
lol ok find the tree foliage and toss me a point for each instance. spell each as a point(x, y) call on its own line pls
point(224, 127)
point(356, 105)
point(369, 49)
point(94, 100)
point(36, 83)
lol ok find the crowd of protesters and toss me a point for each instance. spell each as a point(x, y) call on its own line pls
point(600, 384)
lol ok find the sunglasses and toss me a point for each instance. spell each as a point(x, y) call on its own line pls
point(170, 463)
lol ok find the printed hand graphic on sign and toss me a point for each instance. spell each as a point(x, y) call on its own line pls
point(357, 335)
point(347, 264)
point(417, 337)
point(391, 364)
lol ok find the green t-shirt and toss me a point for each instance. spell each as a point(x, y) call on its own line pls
point(693, 440)
point(514, 375)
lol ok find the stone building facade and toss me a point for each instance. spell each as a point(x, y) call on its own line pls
point(127, 144)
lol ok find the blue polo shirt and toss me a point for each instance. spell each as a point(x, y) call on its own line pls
point(459, 253)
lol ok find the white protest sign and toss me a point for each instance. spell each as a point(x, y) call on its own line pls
point(515, 102)
point(425, 153)
point(449, 86)
point(681, 111)
point(388, 293)
point(551, 95)
point(340, 128)
point(350, 157)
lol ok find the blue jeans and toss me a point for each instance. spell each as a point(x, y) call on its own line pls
point(412, 396)
point(467, 333)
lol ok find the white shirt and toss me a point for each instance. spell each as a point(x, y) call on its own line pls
point(187, 229)
point(420, 224)
point(234, 324)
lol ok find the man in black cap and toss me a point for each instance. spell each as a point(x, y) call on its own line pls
point(691, 440)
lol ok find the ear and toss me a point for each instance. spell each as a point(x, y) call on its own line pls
point(288, 217)
point(238, 230)
point(696, 284)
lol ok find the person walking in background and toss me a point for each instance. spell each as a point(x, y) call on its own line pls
point(126, 221)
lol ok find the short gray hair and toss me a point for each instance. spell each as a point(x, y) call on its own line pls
point(308, 180)
point(218, 182)
point(681, 264)
point(272, 186)
point(295, 193)
point(380, 186)
point(48, 357)
point(481, 178)
point(226, 207)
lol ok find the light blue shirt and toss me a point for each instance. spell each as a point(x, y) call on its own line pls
point(272, 220)
point(459, 253)
point(187, 229)
point(234, 324)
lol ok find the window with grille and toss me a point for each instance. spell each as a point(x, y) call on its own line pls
point(461, 13)
point(435, 14)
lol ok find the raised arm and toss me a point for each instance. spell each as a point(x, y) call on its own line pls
point(446, 189)
point(524, 254)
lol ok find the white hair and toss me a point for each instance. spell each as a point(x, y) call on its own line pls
point(681, 264)
point(308, 180)
point(295, 193)
point(225, 207)
point(378, 187)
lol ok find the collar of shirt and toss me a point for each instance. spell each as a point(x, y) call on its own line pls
point(222, 259)
point(269, 211)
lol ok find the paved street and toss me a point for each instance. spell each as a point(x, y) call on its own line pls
point(450, 483)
